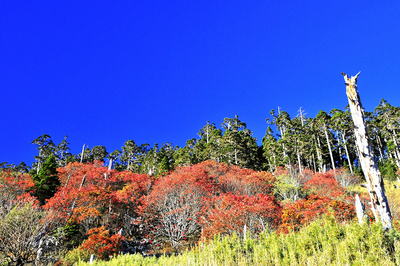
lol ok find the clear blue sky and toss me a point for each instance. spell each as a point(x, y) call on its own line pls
point(103, 72)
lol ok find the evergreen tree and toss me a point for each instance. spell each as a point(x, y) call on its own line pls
point(98, 153)
point(270, 148)
point(46, 147)
point(46, 180)
point(158, 161)
point(208, 146)
point(61, 152)
point(186, 156)
point(132, 155)
point(237, 144)
point(323, 120)
point(342, 124)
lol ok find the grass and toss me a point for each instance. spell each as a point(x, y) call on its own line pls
point(323, 242)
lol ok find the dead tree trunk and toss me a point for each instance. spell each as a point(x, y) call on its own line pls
point(375, 186)
point(347, 154)
point(360, 210)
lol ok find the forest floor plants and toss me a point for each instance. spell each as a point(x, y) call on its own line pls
point(323, 242)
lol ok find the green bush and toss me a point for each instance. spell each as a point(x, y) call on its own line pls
point(77, 255)
point(388, 170)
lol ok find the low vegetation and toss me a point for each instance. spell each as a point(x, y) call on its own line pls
point(322, 242)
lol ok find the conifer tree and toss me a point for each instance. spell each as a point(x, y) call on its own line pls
point(46, 180)
point(98, 153)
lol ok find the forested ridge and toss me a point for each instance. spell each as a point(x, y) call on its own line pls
point(148, 200)
point(321, 143)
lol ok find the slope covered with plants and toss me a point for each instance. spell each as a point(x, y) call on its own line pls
point(220, 188)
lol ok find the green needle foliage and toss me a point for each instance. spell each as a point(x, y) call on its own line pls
point(46, 180)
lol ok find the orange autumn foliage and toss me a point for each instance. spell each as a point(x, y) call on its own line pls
point(91, 195)
point(14, 189)
point(228, 213)
point(325, 184)
point(302, 212)
point(213, 196)
point(102, 244)
point(232, 178)
point(172, 208)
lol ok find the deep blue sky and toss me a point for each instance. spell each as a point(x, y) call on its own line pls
point(103, 72)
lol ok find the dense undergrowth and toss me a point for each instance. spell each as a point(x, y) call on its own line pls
point(323, 242)
point(210, 213)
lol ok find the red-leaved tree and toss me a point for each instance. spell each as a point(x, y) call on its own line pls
point(102, 243)
point(325, 184)
point(13, 190)
point(92, 196)
point(302, 212)
point(172, 208)
point(228, 213)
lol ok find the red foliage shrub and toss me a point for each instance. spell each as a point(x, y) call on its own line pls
point(214, 169)
point(325, 185)
point(237, 180)
point(302, 212)
point(14, 189)
point(246, 182)
point(172, 208)
point(196, 174)
point(177, 201)
point(101, 243)
point(229, 213)
point(91, 196)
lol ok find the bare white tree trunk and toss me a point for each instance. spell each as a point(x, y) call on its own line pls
point(329, 147)
point(283, 145)
point(319, 155)
point(360, 210)
point(83, 149)
point(313, 159)
point(236, 161)
point(299, 161)
point(339, 146)
point(380, 148)
point(396, 150)
point(38, 168)
point(73, 204)
point(375, 186)
point(347, 154)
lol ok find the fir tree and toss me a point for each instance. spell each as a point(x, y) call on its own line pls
point(46, 180)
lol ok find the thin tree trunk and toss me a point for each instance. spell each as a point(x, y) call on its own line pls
point(369, 166)
point(236, 157)
point(273, 155)
point(380, 148)
point(283, 146)
point(329, 147)
point(339, 147)
point(396, 150)
point(83, 149)
point(38, 168)
point(73, 204)
point(313, 158)
point(270, 166)
point(299, 161)
point(360, 210)
point(319, 154)
point(347, 154)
